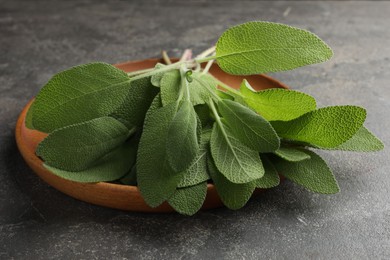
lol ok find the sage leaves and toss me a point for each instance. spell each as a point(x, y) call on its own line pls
point(260, 47)
point(176, 132)
point(252, 130)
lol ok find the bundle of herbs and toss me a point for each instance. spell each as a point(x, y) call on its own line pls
point(172, 129)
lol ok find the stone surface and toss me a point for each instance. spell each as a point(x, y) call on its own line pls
point(40, 38)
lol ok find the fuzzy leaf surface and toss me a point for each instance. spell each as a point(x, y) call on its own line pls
point(326, 127)
point(197, 172)
point(170, 85)
point(271, 177)
point(201, 87)
point(79, 94)
point(261, 47)
point(276, 103)
point(77, 147)
point(109, 168)
point(313, 174)
point(362, 141)
point(182, 141)
point(189, 200)
point(250, 128)
point(156, 180)
point(233, 195)
point(237, 162)
point(139, 97)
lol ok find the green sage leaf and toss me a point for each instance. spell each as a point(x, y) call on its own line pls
point(233, 195)
point(182, 141)
point(170, 85)
point(292, 154)
point(261, 47)
point(237, 162)
point(132, 111)
point(111, 167)
point(201, 88)
point(250, 128)
point(79, 94)
point(197, 172)
point(276, 103)
point(77, 147)
point(156, 180)
point(271, 177)
point(189, 200)
point(156, 104)
point(362, 141)
point(313, 174)
point(326, 127)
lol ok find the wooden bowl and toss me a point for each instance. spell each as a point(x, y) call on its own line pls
point(111, 195)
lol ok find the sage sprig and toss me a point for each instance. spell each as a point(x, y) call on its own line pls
point(171, 129)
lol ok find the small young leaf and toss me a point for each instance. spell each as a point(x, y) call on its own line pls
point(271, 177)
point(77, 147)
point(109, 168)
point(362, 141)
point(277, 104)
point(237, 162)
point(250, 128)
point(131, 177)
point(313, 174)
point(156, 180)
point(326, 127)
point(156, 78)
point(291, 154)
point(132, 111)
point(197, 172)
point(79, 94)
point(261, 47)
point(233, 196)
point(182, 141)
point(189, 200)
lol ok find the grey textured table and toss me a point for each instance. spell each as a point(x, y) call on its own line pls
point(38, 39)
